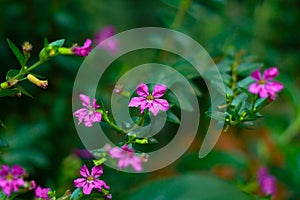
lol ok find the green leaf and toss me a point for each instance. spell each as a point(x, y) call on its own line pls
point(8, 92)
point(244, 83)
point(17, 52)
point(57, 43)
point(76, 194)
point(21, 89)
point(171, 117)
point(245, 69)
point(11, 73)
point(216, 115)
point(189, 186)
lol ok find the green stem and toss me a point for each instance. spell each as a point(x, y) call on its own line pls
point(22, 72)
point(291, 131)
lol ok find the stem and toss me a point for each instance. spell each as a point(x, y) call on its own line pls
point(183, 7)
point(22, 72)
point(291, 131)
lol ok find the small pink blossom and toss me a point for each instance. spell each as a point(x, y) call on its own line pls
point(11, 179)
point(90, 181)
point(83, 153)
point(126, 157)
point(85, 49)
point(150, 100)
point(264, 85)
point(266, 181)
point(112, 44)
point(42, 193)
point(88, 114)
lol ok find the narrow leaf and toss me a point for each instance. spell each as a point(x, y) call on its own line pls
point(8, 92)
point(17, 52)
point(171, 117)
point(11, 73)
point(21, 89)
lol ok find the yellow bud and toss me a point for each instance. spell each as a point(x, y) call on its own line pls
point(40, 83)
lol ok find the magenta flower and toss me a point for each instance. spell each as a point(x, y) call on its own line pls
point(126, 157)
point(11, 179)
point(264, 85)
point(266, 181)
point(88, 114)
point(42, 193)
point(90, 181)
point(150, 100)
point(111, 45)
point(84, 50)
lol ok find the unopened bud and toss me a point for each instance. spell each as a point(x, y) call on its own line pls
point(40, 83)
point(26, 47)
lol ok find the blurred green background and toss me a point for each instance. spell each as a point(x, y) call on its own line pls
point(40, 130)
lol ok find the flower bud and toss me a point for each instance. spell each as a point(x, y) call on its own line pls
point(40, 83)
point(26, 47)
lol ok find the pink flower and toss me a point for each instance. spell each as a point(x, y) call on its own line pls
point(42, 193)
point(111, 45)
point(11, 179)
point(266, 181)
point(126, 157)
point(150, 100)
point(265, 86)
point(84, 50)
point(90, 181)
point(88, 114)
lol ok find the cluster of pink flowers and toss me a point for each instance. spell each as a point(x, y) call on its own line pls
point(266, 181)
point(12, 181)
point(264, 84)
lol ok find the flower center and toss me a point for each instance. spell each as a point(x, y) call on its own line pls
point(91, 110)
point(150, 98)
point(90, 178)
point(9, 177)
point(261, 82)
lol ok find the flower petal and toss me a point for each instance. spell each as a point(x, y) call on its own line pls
point(85, 100)
point(263, 92)
point(95, 105)
point(254, 88)
point(159, 104)
point(99, 184)
point(142, 90)
point(84, 171)
point(256, 75)
point(87, 188)
point(80, 182)
point(136, 101)
point(159, 90)
point(17, 170)
point(136, 163)
point(270, 73)
point(81, 114)
point(274, 86)
point(97, 171)
point(116, 152)
point(5, 170)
